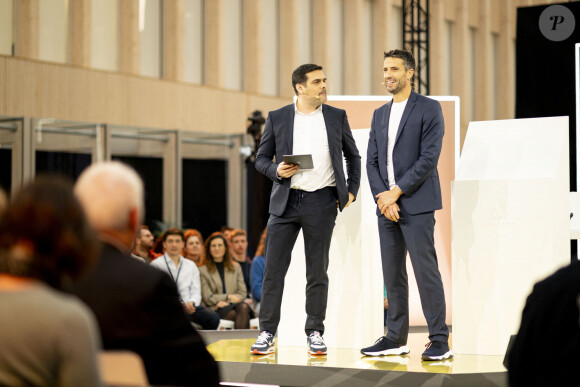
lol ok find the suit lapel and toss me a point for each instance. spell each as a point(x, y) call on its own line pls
point(384, 132)
point(406, 113)
point(327, 123)
point(290, 129)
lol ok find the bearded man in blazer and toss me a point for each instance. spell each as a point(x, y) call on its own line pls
point(304, 199)
point(403, 150)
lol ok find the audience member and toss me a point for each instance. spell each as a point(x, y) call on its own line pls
point(239, 243)
point(158, 249)
point(258, 264)
point(193, 249)
point(222, 283)
point(137, 306)
point(143, 245)
point(47, 338)
point(551, 315)
point(3, 201)
point(185, 275)
point(226, 230)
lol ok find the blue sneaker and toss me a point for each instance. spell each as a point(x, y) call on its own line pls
point(316, 344)
point(385, 347)
point(437, 350)
point(264, 345)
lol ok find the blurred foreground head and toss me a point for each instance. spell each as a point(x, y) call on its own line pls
point(44, 233)
point(112, 195)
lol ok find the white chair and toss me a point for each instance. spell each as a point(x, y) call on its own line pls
point(225, 325)
point(255, 323)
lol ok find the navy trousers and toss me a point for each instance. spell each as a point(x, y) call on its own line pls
point(413, 233)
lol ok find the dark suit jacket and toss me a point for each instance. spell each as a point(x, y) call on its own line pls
point(138, 309)
point(415, 155)
point(277, 140)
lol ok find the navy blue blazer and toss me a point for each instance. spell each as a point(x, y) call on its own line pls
point(277, 141)
point(415, 155)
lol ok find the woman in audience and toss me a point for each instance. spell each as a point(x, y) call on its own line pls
point(257, 274)
point(222, 283)
point(47, 338)
point(194, 247)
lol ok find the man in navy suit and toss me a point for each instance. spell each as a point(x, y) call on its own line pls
point(404, 146)
point(304, 199)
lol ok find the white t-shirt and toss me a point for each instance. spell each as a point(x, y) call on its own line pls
point(397, 110)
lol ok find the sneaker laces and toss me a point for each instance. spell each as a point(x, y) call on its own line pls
point(263, 337)
point(380, 339)
point(315, 338)
point(433, 343)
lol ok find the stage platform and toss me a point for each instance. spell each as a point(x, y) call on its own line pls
point(293, 366)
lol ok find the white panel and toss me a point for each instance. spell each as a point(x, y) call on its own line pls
point(53, 30)
point(6, 27)
point(193, 37)
point(270, 37)
point(577, 59)
point(105, 34)
point(354, 316)
point(335, 73)
point(150, 27)
point(234, 43)
point(510, 225)
point(304, 38)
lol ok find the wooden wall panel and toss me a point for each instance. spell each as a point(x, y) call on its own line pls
point(48, 90)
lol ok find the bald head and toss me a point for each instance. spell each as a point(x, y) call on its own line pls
point(111, 194)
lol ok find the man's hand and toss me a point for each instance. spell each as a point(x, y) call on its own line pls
point(386, 198)
point(287, 170)
point(350, 200)
point(392, 212)
point(189, 307)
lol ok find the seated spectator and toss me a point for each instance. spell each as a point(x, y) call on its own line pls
point(239, 243)
point(137, 306)
point(47, 338)
point(222, 283)
point(193, 249)
point(185, 275)
point(226, 230)
point(257, 276)
point(551, 316)
point(3, 201)
point(158, 249)
point(143, 245)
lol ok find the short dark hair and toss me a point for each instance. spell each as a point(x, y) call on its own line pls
point(300, 74)
point(406, 56)
point(44, 234)
point(173, 231)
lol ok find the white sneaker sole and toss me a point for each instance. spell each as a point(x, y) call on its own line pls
point(404, 350)
point(256, 351)
point(447, 355)
point(318, 352)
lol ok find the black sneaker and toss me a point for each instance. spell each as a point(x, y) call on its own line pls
point(437, 350)
point(316, 344)
point(264, 344)
point(383, 347)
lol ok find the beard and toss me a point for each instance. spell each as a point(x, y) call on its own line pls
point(397, 87)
